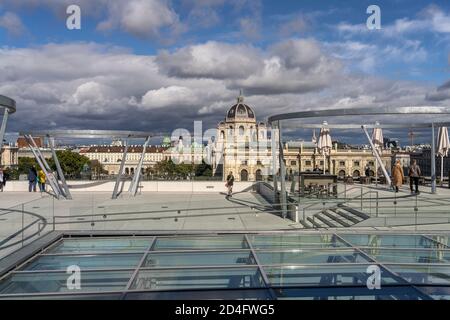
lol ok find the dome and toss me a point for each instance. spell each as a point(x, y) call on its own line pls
point(241, 112)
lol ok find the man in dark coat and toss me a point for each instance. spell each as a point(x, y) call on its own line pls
point(32, 179)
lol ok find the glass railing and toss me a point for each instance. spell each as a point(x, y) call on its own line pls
point(24, 223)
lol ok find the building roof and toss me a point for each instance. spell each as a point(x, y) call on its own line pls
point(240, 112)
point(120, 149)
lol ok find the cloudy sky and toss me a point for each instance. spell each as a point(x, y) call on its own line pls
point(158, 65)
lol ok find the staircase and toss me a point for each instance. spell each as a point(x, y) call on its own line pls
point(341, 216)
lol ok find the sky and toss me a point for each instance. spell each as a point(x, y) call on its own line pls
point(160, 65)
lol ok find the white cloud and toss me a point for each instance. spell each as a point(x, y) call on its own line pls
point(210, 60)
point(173, 96)
point(440, 94)
point(431, 19)
point(148, 19)
point(12, 23)
point(142, 18)
point(92, 86)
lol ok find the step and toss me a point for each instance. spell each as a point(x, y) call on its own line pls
point(333, 216)
point(325, 221)
point(347, 215)
point(315, 224)
point(305, 224)
point(355, 212)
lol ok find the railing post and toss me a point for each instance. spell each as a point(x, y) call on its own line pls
point(22, 222)
point(377, 205)
point(361, 198)
point(53, 209)
point(416, 211)
point(345, 190)
point(395, 204)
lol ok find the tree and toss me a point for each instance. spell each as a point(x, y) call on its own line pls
point(203, 170)
point(71, 162)
point(25, 164)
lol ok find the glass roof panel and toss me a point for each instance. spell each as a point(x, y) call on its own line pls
point(124, 261)
point(423, 274)
point(391, 240)
point(295, 241)
point(311, 257)
point(198, 259)
point(409, 256)
point(201, 242)
point(385, 293)
point(324, 276)
point(57, 282)
point(102, 245)
point(198, 279)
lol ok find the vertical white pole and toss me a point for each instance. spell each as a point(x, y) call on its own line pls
point(433, 160)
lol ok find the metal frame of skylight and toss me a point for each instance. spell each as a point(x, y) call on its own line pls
point(258, 266)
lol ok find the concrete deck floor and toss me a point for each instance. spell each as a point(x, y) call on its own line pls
point(179, 212)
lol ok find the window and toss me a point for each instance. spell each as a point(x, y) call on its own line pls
point(293, 163)
point(308, 162)
point(241, 130)
point(342, 163)
point(258, 162)
point(356, 163)
point(371, 163)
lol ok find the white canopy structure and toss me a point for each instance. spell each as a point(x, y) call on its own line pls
point(324, 144)
point(443, 147)
point(377, 140)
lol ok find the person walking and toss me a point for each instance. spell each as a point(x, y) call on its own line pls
point(42, 179)
point(32, 179)
point(229, 184)
point(414, 175)
point(2, 179)
point(397, 175)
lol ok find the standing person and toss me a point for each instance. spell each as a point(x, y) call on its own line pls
point(42, 180)
point(397, 175)
point(414, 175)
point(2, 179)
point(367, 171)
point(32, 179)
point(230, 182)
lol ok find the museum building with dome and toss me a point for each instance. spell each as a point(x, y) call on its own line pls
point(243, 146)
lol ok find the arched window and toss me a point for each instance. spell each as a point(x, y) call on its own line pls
point(241, 130)
point(258, 175)
point(244, 175)
point(342, 173)
point(356, 173)
point(222, 134)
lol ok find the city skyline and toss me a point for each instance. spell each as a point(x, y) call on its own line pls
point(161, 65)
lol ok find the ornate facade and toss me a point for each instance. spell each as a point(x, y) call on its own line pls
point(243, 146)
